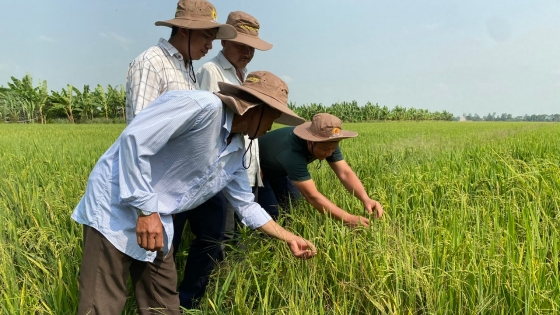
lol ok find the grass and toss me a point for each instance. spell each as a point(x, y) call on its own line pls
point(471, 225)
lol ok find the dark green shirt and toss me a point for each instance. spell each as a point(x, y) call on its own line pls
point(283, 153)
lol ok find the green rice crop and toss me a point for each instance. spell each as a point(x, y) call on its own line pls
point(471, 225)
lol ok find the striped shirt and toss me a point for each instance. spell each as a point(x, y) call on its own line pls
point(171, 158)
point(157, 70)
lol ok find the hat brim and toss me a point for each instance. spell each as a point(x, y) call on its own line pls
point(251, 41)
point(303, 132)
point(225, 31)
point(288, 117)
point(237, 105)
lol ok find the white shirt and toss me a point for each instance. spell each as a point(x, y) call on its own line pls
point(219, 69)
point(159, 69)
point(171, 158)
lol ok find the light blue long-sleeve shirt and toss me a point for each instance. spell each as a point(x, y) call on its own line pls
point(171, 158)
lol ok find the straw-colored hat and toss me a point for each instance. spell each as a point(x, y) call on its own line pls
point(199, 15)
point(264, 86)
point(323, 128)
point(247, 28)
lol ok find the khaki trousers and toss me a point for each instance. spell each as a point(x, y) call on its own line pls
point(104, 273)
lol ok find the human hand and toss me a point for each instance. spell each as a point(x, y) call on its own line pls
point(353, 221)
point(374, 207)
point(302, 248)
point(149, 232)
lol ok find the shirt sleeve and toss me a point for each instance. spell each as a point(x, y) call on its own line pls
point(335, 156)
point(208, 77)
point(168, 117)
point(239, 195)
point(142, 87)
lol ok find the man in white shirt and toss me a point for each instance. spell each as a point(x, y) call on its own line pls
point(230, 66)
point(182, 149)
point(168, 65)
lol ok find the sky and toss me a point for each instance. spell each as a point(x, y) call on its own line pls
point(464, 57)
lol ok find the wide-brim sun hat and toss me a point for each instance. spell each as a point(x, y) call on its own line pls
point(264, 86)
point(247, 28)
point(199, 15)
point(323, 128)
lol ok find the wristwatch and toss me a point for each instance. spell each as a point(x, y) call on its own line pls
point(142, 213)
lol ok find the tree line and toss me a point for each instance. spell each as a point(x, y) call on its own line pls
point(510, 117)
point(24, 102)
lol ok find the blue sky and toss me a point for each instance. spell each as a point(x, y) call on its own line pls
point(460, 56)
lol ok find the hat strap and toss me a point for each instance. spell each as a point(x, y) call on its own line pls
point(192, 76)
point(251, 143)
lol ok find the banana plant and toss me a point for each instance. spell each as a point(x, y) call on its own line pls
point(64, 101)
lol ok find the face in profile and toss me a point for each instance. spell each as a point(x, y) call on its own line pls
point(200, 42)
point(322, 150)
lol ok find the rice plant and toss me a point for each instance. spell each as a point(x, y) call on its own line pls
point(471, 225)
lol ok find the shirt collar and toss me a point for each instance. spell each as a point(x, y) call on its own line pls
point(236, 141)
point(224, 63)
point(170, 49)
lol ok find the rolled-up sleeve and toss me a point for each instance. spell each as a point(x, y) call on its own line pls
point(239, 195)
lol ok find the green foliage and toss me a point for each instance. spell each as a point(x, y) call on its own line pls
point(471, 225)
point(351, 112)
point(22, 102)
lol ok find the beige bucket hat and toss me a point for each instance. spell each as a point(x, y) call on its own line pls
point(247, 28)
point(323, 128)
point(262, 86)
point(199, 15)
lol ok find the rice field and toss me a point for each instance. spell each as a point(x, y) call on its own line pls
point(471, 225)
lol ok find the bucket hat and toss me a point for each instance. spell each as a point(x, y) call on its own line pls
point(199, 15)
point(262, 86)
point(323, 128)
point(247, 28)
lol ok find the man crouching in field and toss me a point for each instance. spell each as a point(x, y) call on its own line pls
point(177, 153)
point(284, 155)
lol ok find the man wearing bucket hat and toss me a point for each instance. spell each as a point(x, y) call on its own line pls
point(284, 155)
point(168, 65)
point(228, 66)
point(177, 153)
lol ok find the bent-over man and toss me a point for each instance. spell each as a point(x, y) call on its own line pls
point(176, 154)
point(285, 154)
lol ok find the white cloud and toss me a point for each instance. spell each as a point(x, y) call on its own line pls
point(46, 39)
point(121, 40)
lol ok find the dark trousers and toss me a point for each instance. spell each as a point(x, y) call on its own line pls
point(277, 192)
point(207, 224)
point(105, 270)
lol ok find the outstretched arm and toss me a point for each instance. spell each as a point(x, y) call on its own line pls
point(324, 205)
point(238, 193)
point(354, 186)
point(300, 247)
